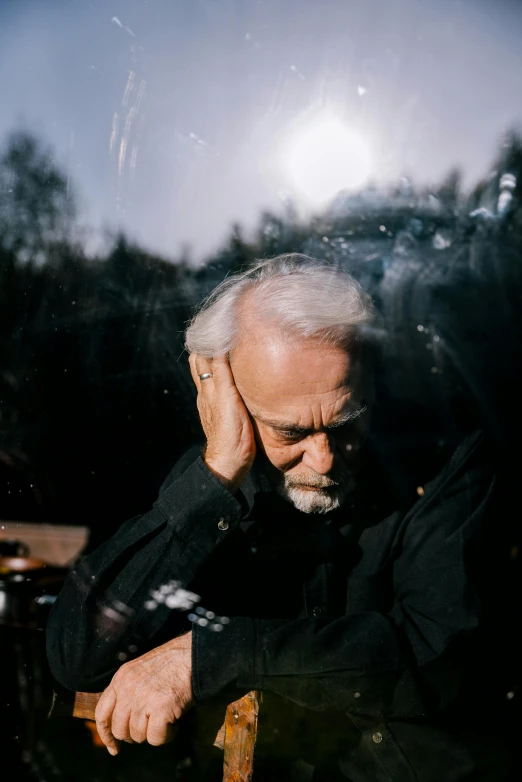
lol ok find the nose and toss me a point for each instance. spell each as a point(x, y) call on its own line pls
point(319, 453)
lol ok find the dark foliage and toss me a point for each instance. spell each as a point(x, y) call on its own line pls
point(95, 394)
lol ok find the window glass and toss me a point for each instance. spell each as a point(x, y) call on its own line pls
point(149, 149)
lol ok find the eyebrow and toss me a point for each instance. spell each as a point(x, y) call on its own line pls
point(343, 419)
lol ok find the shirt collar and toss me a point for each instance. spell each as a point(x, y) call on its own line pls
point(254, 484)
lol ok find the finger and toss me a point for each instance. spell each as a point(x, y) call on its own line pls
point(120, 721)
point(199, 365)
point(159, 732)
point(138, 725)
point(194, 371)
point(103, 716)
point(222, 373)
point(203, 365)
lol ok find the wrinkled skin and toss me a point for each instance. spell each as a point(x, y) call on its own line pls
point(285, 399)
point(288, 400)
point(147, 697)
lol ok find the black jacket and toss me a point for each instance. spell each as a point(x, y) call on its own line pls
point(372, 612)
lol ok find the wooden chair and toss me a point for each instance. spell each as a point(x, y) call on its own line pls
point(236, 737)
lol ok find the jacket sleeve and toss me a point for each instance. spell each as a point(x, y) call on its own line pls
point(404, 663)
point(103, 614)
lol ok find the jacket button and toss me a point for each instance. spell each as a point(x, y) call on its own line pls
point(357, 695)
point(317, 611)
point(377, 737)
point(223, 525)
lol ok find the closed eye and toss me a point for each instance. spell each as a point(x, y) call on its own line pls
point(295, 434)
point(292, 435)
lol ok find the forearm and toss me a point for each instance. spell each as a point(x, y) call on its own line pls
point(102, 616)
point(406, 661)
point(361, 663)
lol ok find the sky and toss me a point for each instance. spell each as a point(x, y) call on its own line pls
point(174, 118)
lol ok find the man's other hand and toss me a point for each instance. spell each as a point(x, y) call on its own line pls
point(147, 696)
point(231, 446)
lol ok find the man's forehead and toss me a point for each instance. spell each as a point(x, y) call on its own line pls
point(285, 384)
point(275, 362)
point(273, 352)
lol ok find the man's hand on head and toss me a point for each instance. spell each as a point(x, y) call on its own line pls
point(147, 696)
point(231, 446)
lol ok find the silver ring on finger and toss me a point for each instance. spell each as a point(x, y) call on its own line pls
point(205, 375)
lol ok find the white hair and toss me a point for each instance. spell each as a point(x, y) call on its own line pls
point(304, 297)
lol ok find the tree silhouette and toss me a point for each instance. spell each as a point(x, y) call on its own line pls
point(92, 371)
point(449, 192)
point(37, 210)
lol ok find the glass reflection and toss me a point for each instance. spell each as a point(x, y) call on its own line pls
point(151, 148)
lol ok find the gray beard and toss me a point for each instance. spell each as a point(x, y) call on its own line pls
point(329, 495)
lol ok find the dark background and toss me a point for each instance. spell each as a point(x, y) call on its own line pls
point(96, 399)
point(113, 229)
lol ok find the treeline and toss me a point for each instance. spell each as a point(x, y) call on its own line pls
point(95, 397)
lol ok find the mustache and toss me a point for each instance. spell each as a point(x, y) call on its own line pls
point(316, 481)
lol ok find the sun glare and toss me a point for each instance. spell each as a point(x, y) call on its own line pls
point(324, 156)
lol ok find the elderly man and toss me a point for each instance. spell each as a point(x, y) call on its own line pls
point(355, 605)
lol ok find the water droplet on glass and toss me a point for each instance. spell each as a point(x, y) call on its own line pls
point(504, 201)
point(441, 241)
point(482, 213)
point(508, 181)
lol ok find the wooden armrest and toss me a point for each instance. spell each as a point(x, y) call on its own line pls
point(239, 738)
point(236, 737)
point(84, 704)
